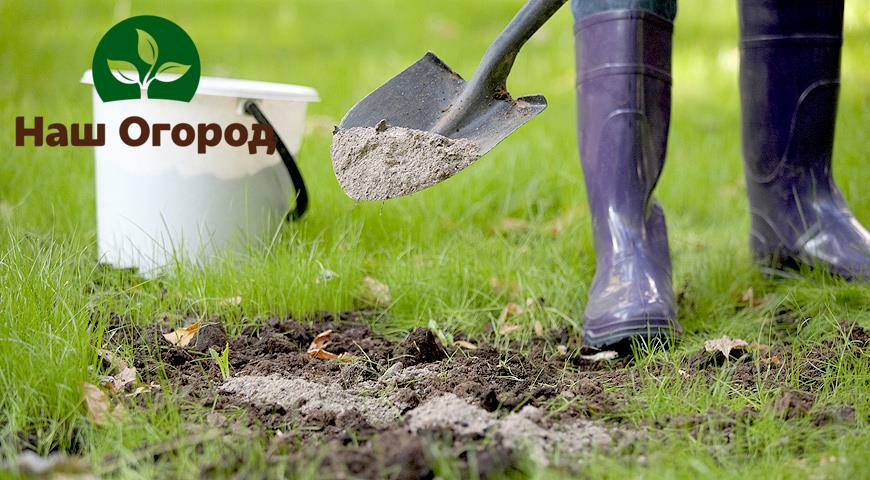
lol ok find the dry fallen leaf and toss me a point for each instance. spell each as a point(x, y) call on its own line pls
point(321, 354)
point(125, 377)
point(510, 310)
point(508, 328)
point(772, 360)
point(377, 292)
point(321, 339)
point(124, 374)
point(725, 345)
point(144, 389)
point(97, 404)
point(600, 356)
point(465, 345)
point(317, 349)
point(183, 336)
point(539, 329)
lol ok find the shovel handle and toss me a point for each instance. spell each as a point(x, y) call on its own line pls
point(490, 78)
point(498, 60)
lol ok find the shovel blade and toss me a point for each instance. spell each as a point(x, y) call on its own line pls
point(420, 95)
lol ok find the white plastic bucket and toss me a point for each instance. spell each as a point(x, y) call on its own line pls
point(159, 204)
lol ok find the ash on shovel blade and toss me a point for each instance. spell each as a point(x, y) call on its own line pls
point(386, 162)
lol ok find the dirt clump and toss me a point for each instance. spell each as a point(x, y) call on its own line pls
point(210, 335)
point(794, 403)
point(422, 346)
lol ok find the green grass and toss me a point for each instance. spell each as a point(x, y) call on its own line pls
point(437, 250)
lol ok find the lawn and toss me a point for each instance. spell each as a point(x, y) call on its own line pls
point(513, 226)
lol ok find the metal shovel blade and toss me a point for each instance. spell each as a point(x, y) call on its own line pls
point(430, 101)
point(418, 97)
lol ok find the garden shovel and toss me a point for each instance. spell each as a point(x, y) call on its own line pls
point(431, 97)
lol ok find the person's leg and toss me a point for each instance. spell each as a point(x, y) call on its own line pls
point(789, 83)
point(623, 104)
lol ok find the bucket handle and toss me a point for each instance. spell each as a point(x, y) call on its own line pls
point(253, 109)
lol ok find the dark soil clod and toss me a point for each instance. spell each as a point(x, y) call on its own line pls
point(210, 335)
point(422, 346)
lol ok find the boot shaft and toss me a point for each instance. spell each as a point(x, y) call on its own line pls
point(624, 92)
point(789, 85)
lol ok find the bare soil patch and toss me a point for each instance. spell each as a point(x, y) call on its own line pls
point(387, 403)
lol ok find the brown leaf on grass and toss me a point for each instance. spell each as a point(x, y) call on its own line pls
point(539, 329)
point(508, 328)
point(144, 389)
point(317, 349)
point(725, 345)
point(123, 379)
point(465, 345)
point(184, 335)
point(377, 292)
point(97, 404)
point(772, 360)
point(510, 310)
point(124, 375)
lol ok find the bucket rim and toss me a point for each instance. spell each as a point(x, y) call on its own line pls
point(243, 89)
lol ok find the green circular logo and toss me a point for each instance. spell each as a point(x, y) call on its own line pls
point(146, 57)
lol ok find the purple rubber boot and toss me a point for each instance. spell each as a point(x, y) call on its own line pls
point(789, 82)
point(624, 103)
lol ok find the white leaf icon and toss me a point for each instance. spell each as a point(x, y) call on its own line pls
point(124, 72)
point(170, 72)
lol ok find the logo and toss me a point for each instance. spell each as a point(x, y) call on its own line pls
point(146, 57)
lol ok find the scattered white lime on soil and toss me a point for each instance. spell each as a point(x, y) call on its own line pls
point(387, 162)
point(527, 429)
